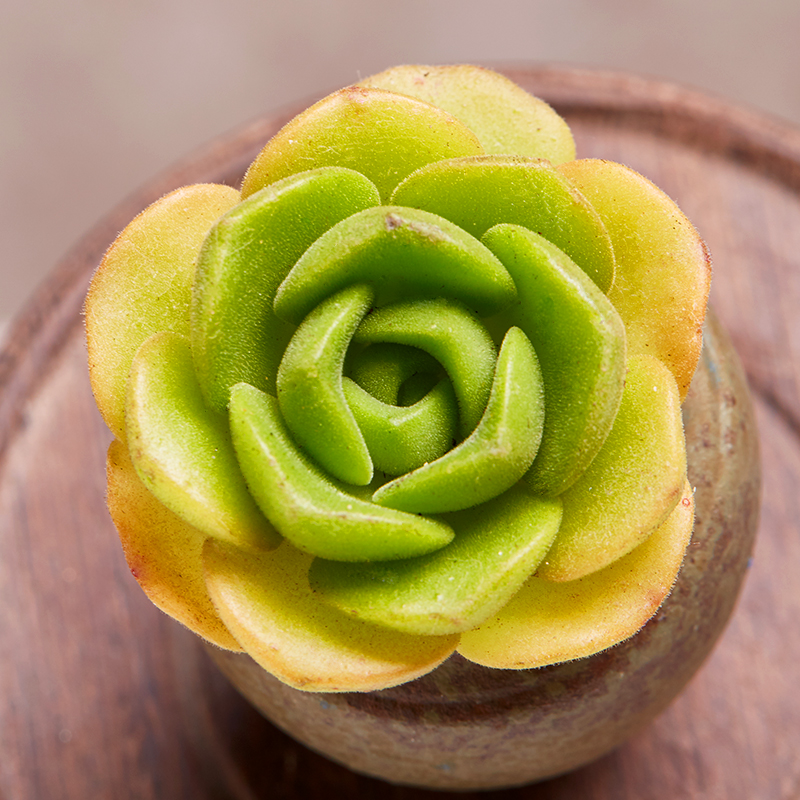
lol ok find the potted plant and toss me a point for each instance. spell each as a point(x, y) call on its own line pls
point(400, 431)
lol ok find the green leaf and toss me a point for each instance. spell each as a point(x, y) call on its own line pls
point(664, 267)
point(633, 483)
point(479, 192)
point(498, 452)
point(144, 285)
point(454, 336)
point(504, 117)
point(383, 135)
point(580, 341)
point(182, 451)
point(382, 368)
point(401, 252)
point(310, 393)
point(267, 603)
point(497, 546)
point(402, 438)
point(548, 623)
point(236, 336)
point(309, 509)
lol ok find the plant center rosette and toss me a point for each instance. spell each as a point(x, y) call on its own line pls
point(415, 389)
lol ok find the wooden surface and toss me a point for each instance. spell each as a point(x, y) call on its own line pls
point(102, 696)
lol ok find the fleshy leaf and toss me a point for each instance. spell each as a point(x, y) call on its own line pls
point(383, 135)
point(143, 286)
point(662, 263)
point(402, 438)
point(632, 484)
point(479, 192)
point(455, 337)
point(267, 603)
point(497, 546)
point(182, 451)
point(308, 508)
point(383, 368)
point(236, 336)
point(310, 393)
point(580, 341)
point(504, 117)
point(401, 252)
point(163, 552)
point(497, 453)
point(546, 622)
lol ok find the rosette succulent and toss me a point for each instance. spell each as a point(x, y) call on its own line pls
point(416, 388)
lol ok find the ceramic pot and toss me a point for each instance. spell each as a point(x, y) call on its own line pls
point(464, 726)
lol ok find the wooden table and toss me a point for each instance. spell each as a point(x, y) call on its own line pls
point(101, 696)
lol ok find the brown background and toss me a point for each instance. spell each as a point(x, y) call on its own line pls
point(97, 97)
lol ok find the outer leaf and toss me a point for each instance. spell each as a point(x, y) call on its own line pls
point(182, 451)
point(267, 603)
point(162, 551)
point(633, 482)
point(383, 135)
point(143, 286)
point(505, 118)
point(662, 264)
point(546, 622)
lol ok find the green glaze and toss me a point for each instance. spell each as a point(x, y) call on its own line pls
point(182, 451)
point(310, 393)
point(497, 546)
point(236, 336)
point(482, 191)
point(580, 341)
point(401, 252)
point(402, 438)
point(308, 508)
point(452, 335)
point(384, 136)
point(498, 452)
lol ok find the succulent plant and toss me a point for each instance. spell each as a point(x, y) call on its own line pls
point(415, 389)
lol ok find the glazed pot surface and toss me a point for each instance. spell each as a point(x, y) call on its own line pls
point(465, 726)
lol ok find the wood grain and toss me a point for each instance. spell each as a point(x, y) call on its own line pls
point(102, 696)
